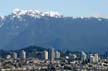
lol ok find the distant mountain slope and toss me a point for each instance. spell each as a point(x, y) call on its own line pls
point(23, 28)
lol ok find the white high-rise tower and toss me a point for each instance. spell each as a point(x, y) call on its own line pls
point(52, 54)
point(45, 55)
point(57, 54)
point(15, 55)
point(84, 56)
point(23, 54)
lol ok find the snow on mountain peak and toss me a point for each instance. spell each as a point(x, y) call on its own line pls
point(35, 13)
point(52, 14)
point(2, 17)
point(99, 19)
point(1, 21)
point(19, 12)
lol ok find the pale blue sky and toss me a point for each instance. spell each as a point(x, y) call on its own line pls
point(66, 7)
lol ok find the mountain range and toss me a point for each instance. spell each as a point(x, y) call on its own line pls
point(23, 28)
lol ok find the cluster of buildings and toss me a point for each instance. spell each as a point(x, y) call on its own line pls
point(45, 55)
point(51, 60)
point(15, 55)
point(94, 58)
point(15, 61)
point(91, 58)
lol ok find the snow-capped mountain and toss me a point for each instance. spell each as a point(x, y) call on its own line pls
point(23, 28)
point(35, 13)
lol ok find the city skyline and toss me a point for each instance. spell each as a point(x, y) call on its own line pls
point(52, 60)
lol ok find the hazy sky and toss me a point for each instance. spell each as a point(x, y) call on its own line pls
point(66, 7)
